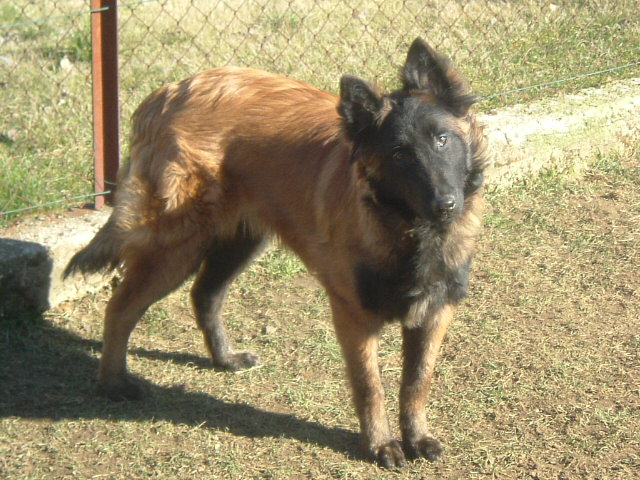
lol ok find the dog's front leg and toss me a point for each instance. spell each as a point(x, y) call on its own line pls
point(358, 333)
point(420, 348)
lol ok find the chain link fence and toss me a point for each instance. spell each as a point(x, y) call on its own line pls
point(500, 45)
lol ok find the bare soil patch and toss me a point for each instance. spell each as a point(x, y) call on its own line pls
point(539, 377)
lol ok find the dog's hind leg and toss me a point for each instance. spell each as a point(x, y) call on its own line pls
point(224, 261)
point(420, 348)
point(148, 277)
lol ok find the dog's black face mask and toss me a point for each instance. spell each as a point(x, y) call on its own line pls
point(426, 161)
point(412, 143)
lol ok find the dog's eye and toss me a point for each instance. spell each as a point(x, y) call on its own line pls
point(441, 141)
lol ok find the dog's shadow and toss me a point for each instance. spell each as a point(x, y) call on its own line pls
point(47, 372)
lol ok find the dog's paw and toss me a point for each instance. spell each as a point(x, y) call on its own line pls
point(425, 446)
point(238, 361)
point(390, 455)
point(125, 388)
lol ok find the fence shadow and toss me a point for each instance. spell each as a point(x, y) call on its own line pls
point(47, 372)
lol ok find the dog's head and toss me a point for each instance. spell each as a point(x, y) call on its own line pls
point(418, 147)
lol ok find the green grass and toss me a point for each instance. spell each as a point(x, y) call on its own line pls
point(45, 88)
point(538, 376)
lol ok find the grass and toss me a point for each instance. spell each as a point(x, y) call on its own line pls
point(538, 377)
point(45, 93)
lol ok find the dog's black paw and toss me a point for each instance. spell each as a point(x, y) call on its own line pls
point(125, 389)
point(390, 455)
point(238, 361)
point(427, 447)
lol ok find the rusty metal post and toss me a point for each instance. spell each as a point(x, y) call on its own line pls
point(106, 112)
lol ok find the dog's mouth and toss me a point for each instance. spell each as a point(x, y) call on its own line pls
point(442, 211)
point(445, 218)
point(404, 210)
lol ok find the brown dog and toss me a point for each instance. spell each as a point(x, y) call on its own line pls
point(379, 195)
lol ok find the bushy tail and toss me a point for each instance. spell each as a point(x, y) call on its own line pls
point(102, 253)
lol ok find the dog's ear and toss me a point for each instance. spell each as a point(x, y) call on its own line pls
point(426, 69)
point(360, 105)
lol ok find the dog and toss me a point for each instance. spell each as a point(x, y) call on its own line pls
point(380, 195)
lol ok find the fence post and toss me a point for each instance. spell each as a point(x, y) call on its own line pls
point(106, 114)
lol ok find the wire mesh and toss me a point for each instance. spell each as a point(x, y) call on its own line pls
point(45, 103)
point(500, 45)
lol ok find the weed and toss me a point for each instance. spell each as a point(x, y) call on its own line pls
point(281, 264)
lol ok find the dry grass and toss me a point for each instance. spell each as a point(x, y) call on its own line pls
point(539, 377)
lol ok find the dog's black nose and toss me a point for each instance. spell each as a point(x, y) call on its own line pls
point(445, 205)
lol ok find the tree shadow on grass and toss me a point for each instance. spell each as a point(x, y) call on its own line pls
point(47, 372)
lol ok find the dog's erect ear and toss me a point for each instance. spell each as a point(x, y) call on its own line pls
point(360, 105)
point(426, 69)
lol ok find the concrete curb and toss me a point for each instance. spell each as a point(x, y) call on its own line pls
point(562, 133)
point(565, 132)
point(33, 255)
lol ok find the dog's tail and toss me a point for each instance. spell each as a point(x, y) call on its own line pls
point(101, 254)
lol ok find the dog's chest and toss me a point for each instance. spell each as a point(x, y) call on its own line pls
point(419, 276)
point(389, 294)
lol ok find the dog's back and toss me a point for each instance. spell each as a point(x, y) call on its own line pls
point(217, 150)
point(220, 148)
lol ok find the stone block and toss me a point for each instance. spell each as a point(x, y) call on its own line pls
point(25, 278)
point(33, 255)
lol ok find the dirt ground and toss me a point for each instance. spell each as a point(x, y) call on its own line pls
point(539, 376)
